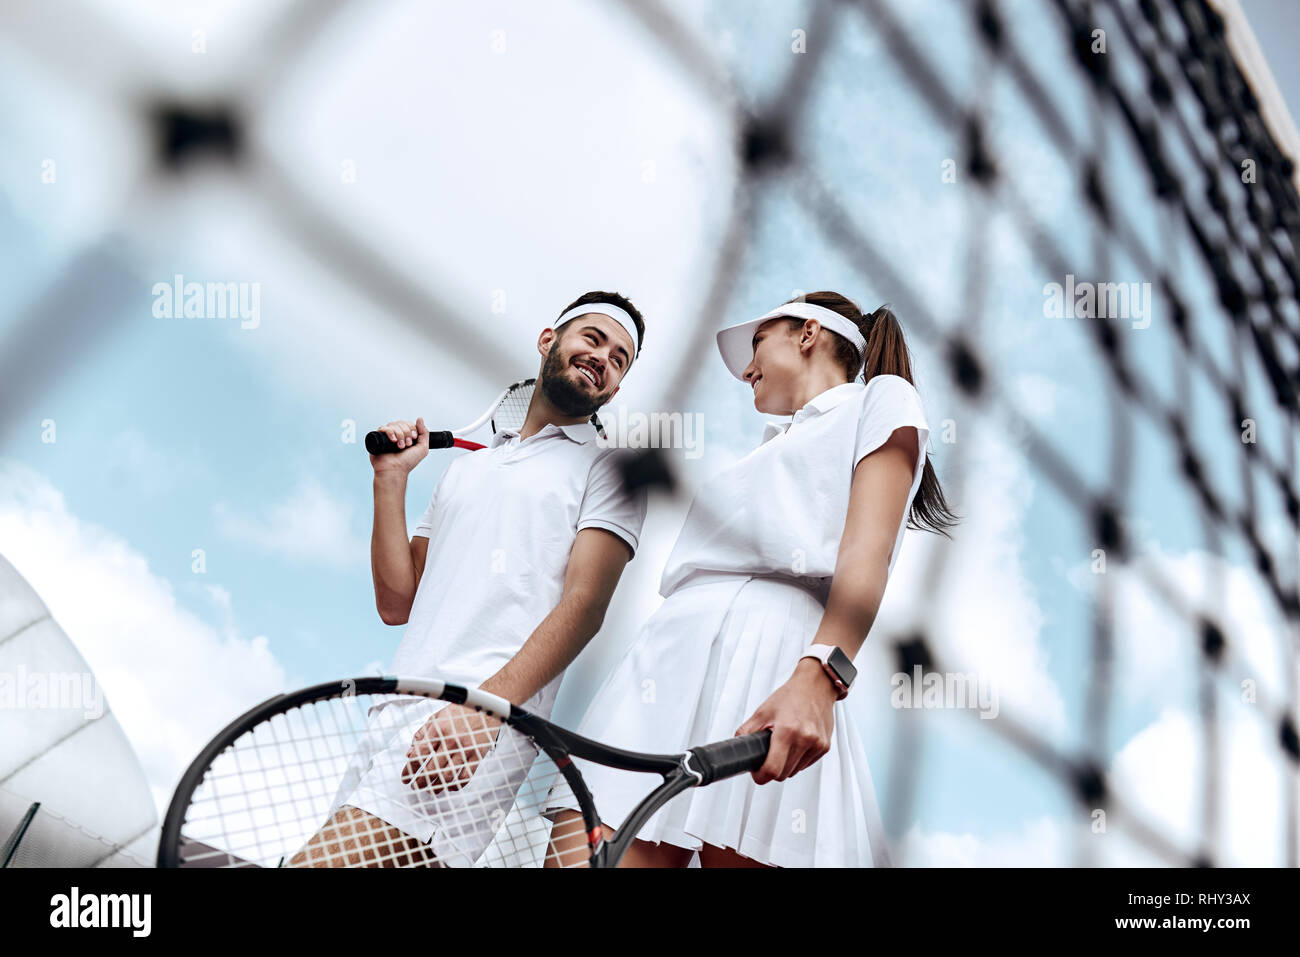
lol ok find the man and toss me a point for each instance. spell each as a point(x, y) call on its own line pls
point(506, 579)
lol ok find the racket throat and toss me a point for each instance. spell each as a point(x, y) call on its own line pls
point(692, 772)
point(675, 782)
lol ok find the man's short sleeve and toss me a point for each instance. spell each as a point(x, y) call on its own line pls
point(607, 505)
point(424, 527)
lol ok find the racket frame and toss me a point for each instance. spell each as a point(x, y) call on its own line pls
point(679, 771)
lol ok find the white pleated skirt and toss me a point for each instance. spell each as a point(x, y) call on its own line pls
point(700, 667)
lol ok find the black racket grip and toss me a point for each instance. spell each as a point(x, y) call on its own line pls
point(378, 443)
point(725, 759)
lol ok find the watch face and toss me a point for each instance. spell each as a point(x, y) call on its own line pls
point(842, 666)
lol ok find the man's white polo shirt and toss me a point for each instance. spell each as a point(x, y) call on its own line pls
point(500, 526)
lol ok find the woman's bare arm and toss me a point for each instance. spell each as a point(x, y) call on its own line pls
point(877, 498)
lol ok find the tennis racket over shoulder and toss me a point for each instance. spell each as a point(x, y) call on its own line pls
point(507, 411)
point(320, 777)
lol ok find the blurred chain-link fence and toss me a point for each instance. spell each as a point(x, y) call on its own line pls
point(1156, 79)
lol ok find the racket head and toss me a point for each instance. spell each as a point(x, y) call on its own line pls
point(302, 779)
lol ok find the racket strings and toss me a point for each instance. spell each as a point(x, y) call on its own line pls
point(512, 410)
point(346, 783)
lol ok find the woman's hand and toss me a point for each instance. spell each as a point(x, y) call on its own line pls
point(801, 717)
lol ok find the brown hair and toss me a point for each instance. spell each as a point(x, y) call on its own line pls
point(887, 354)
point(614, 299)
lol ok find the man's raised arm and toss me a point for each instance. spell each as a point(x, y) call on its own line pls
point(396, 563)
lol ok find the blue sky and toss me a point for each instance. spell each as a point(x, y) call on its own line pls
point(578, 156)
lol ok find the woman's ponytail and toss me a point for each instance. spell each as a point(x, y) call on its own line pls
point(886, 348)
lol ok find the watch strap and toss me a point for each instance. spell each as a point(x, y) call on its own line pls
point(839, 669)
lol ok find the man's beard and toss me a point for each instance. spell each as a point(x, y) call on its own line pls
point(568, 399)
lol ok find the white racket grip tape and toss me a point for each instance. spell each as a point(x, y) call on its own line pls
point(494, 705)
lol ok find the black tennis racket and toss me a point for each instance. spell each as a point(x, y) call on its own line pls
point(507, 411)
point(322, 777)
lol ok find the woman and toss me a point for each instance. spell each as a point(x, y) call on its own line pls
point(769, 592)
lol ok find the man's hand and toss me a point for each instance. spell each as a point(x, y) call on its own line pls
point(445, 752)
point(412, 438)
point(801, 717)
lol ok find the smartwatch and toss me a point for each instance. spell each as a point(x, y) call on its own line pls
point(837, 666)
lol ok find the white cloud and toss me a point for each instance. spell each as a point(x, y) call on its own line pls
point(1040, 842)
point(311, 525)
point(1161, 768)
point(1040, 396)
point(171, 679)
point(563, 164)
point(1158, 776)
point(1157, 649)
point(1160, 773)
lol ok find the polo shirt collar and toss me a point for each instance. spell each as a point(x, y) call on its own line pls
point(581, 432)
point(822, 402)
point(825, 401)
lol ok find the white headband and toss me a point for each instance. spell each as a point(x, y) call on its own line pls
point(829, 318)
point(736, 342)
point(619, 315)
